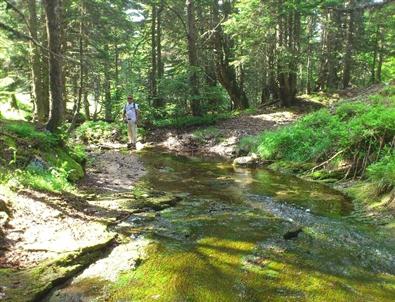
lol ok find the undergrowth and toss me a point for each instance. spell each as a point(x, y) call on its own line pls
point(40, 160)
point(356, 137)
point(189, 121)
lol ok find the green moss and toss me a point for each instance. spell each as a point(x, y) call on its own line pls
point(28, 131)
point(145, 197)
point(61, 159)
point(290, 166)
point(32, 284)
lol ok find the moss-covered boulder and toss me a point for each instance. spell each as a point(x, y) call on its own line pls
point(61, 159)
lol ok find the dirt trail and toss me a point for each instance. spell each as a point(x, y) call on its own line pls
point(223, 141)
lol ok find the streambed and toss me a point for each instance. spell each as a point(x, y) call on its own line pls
point(224, 241)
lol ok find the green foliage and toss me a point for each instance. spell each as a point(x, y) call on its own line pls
point(28, 131)
point(60, 160)
point(96, 131)
point(248, 144)
point(383, 171)
point(360, 133)
point(307, 140)
point(77, 152)
point(38, 159)
point(318, 135)
point(55, 180)
point(187, 121)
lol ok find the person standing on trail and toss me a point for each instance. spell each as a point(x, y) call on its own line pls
point(131, 116)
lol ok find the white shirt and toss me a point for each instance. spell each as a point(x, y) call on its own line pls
point(130, 110)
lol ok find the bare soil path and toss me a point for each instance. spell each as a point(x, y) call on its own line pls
point(225, 135)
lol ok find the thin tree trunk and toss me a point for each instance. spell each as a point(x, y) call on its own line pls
point(347, 63)
point(77, 105)
point(153, 88)
point(44, 66)
point(380, 58)
point(107, 86)
point(309, 76)
point(52, 10)
point(96, 89)
point(41, 113)
point(158, 101)
point(375, 51)
point(193, 58)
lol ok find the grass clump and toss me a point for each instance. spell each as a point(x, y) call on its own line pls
point(383, 172)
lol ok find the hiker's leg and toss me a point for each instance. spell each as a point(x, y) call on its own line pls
point(134, 133)
point(130, 131)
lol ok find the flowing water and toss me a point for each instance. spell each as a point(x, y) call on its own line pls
point(224, 241)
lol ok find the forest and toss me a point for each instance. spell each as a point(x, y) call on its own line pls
point(197, 150)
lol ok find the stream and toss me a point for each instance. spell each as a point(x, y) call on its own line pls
point(224, 242)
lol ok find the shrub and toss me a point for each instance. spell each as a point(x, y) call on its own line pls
point(361, 130)
point(307, 140)
point(383, 172)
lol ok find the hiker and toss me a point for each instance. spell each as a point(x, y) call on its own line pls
point(131, 116)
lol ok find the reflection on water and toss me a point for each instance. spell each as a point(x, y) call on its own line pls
point(221, 181)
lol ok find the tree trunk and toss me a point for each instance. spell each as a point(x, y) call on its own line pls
point(158, 100)
point(96, 88)
point(375, 51)
point(193, 58)
point(77, 104)
point(41, 112)
point(153, 88)
point(226, 74)
point(309, 76)
point(380, 60)
point(348, 61)
point(52, 10)
point(333, 47)
point(107, 87)
point(44, 66)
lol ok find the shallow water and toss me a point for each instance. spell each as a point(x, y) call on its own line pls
point(224, 241)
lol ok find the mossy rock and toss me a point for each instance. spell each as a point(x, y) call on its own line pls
point(61, 159)
point(291, 167)
point(325, 175)
point(155, 200)
point(145, 197)
point(32, 284)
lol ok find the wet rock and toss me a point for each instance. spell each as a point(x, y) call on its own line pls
point(292, 234)
point(246, 161)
